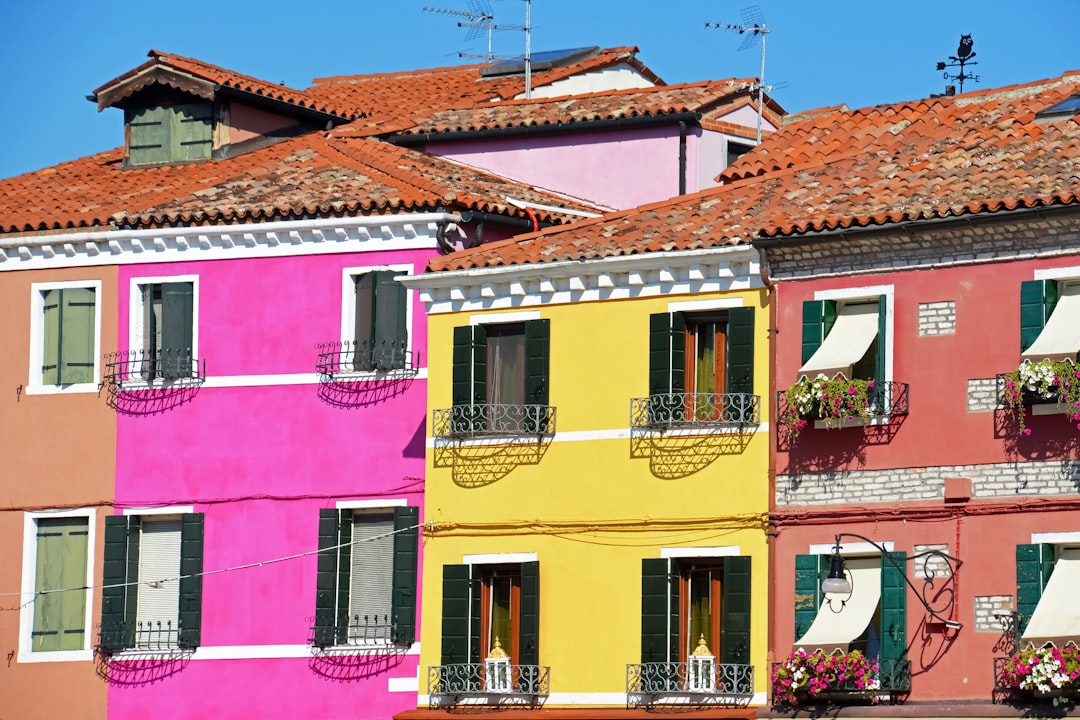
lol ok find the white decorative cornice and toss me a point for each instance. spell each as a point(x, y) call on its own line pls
point(413, 231)
point(610, 278)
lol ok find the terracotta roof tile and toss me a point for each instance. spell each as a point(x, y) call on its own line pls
point(838, 168)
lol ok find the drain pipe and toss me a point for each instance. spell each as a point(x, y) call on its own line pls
point(682, 157)
point(445, 246)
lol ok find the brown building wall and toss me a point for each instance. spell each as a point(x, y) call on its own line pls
point(58, 452)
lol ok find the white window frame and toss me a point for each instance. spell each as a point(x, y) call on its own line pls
point(348, 299)
point(136, 310)
point(35, 384)
point(870, 293)
point(29, 572)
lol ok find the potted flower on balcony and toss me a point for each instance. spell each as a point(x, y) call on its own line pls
point(835, 401)
point(1040, 381)
point(1044, 672)
point(808, 677)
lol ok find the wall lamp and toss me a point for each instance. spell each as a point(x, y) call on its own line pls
point(938, 601)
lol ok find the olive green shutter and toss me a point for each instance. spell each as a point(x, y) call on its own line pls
point(739, 373)
point(148, 135)
point(735, 611)
point(344, 573)
point(391, 335)
point(1037, 301)
point(659, 611)
point(809, 570)
point(50, 355)
point(1034, 563)
point(363, 330)
point(529, 618)
point(190, 131)
point(403, 593)
point(879, 362)
point(76, 335)
point(460, 620)
point(60, 617)
point(818, 317)
point(191, 567)
point(177, 303)
point(893, 606)
point(326, 571)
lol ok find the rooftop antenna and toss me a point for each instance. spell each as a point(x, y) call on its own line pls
point(754, 24)
point(964, 55)
point(478, 18)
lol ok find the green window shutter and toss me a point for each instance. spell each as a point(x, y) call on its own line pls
point(1034, 563)
point(1037, 301)
point(391, 336)
point(808, 574)
point(817, 320)
point(77, 336)
point(659, 354)
point(537, 361)
point(678, 353)
point(344, 573)
point(326, 574)
point(739, 373)
point(177, 304)
point(364, 326)
point(659, 611)
point(191, 567)
point(879, 361)
point(893, 606)
point(114, 575)
point(735, 611)
point(529, 622)
point(457, 612)
point(190, 131)
point(131, 601)
point(461, 383)
point(60, 617)
point(403, 595)
point(148, 135)
point(479, 362)
point(50, 350)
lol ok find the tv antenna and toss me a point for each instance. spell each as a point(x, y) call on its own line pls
point(964, 55)
point(479, 18)
point(753, 26)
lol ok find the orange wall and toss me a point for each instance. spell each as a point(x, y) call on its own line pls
point(40, 473)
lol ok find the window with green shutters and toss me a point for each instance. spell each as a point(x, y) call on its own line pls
point(165, 330)
point(152, 582)
point(67, 322)
point(707, 352)
point(380, 332)
point(366, 577)
point(60, 582)
point(1034, 564)
point(169, 133)
point(820, 316)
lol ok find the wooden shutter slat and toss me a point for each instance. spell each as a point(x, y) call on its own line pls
point(659, 354)
point(406, 542)
point(190, 131)
point(391, 335)
point(50, 349)
point(1034, 563)
point(529, 617)
point(326, 578)
point(462, 359)
point(735, 610)
point(364, 325)
point(658, 634)
point(77, 336)
point(114, 575)
point(177, 305)
point(191, 568)
point(344, 574)
point(60, 617)
point(893, 606)
point(1037, 301)
point(807, 591)
point(148, 135)
point(739, 373)
point(456, 614)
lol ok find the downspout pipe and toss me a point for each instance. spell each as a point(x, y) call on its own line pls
point(682, 157)
point(517, 223)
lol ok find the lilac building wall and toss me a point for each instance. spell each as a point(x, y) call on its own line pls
point(260, 448)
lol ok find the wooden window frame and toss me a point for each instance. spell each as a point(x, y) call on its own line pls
point(687, 567)
point(487, 574)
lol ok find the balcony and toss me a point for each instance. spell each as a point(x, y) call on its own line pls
point(347, 360)
point(689, 683)
point(141, 368)
point(364, 631)
point(695, 410)
point(491, 684)
point(143, 636)
point(891, 683)
point(471, 421)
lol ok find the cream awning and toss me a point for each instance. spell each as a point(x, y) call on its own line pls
point(1057, 616)
point(1060, 337)
point(836, 630)
point(852, 334)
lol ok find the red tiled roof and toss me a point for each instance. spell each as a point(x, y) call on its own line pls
point(310, 175)
point(228, 78)
point(399, 100)
point(944, 157)
point(701, 97)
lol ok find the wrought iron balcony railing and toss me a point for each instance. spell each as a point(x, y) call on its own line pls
point(893, 681)
point(358, 630)
point(694, 678)
point(464, 421)
point(345, 358)
point(886, 399)
point(681, 410)
point(150, 636)
point(488, 679)
point(146, 366)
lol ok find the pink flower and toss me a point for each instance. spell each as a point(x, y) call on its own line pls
point(1027, 431)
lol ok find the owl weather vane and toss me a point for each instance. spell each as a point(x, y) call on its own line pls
point(963, 57)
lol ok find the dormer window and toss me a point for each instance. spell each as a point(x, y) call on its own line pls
point(169, 133)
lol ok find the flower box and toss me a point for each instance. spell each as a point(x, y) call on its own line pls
point(1044, 382)
point(1046, 673)
point(836, 402)
point(807, 678)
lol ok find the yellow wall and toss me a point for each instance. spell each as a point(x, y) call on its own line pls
point(591, 509)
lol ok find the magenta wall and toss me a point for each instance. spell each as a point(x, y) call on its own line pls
point(260, 460)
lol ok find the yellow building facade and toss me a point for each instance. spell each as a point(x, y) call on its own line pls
point(597, 484)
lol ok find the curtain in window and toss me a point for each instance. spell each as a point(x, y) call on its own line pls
point(506, 366)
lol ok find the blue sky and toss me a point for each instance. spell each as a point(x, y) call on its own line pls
point(857, 52)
